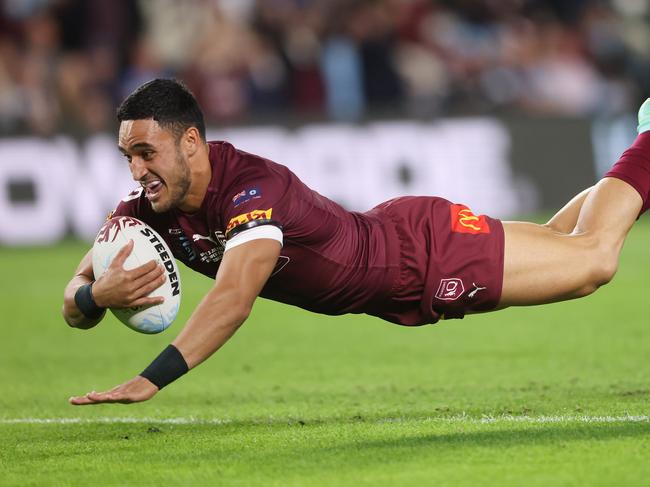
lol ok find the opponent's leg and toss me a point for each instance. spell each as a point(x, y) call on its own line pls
point(542, 265)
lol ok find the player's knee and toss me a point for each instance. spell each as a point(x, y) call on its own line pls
point(607, 271)
point(603, 267)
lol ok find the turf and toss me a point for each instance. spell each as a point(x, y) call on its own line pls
point(548, 395)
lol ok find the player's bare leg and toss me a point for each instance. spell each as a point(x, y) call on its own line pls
point(543, 264)
point(565, 220)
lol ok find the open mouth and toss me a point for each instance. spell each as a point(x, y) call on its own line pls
point(152, 188)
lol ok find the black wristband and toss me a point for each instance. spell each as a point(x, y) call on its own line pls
point(166, 368)
point(84, 300)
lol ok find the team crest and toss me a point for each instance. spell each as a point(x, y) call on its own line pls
point(450, 289)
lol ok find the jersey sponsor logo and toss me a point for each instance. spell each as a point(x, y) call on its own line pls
point(184, 243)
point(464, 221)
point(450, 289)
point(249, 217)
point(246, 195)
point(187, 247)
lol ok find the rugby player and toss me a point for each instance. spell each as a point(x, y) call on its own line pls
point(259, 231)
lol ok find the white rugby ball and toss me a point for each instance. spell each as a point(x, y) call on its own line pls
point(148, 245)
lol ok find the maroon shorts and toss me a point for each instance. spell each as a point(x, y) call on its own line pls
point(450, 260)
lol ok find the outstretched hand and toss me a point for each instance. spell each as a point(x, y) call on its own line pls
point(118, 287)
point(137, 389)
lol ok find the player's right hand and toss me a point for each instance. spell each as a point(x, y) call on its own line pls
point(118, 287)
point(137, 389)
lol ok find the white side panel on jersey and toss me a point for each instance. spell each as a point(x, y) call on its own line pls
point(255, 233)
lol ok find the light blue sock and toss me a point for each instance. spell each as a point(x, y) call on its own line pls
point(644, 117)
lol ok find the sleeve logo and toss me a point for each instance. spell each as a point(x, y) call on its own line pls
point(247, 217)
point(464, 221)
point(246, 195)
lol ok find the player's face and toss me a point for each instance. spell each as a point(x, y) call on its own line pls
point(156, 162)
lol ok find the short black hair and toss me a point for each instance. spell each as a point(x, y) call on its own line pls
point(169, 102)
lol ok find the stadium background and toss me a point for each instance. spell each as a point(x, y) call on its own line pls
point(477, 101)
point(511, 106)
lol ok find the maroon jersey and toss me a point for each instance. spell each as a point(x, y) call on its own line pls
point(383, 262)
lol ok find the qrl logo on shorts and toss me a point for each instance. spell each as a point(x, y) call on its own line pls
point(450, 289)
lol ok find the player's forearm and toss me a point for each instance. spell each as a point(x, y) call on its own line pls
point(71, 313)
point(213, 322)
point(243, 272)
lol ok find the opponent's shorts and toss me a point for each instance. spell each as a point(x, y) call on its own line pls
point(450, 260)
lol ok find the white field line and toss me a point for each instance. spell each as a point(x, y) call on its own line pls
point(452, 419)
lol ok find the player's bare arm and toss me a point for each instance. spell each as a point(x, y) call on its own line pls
point(83, 275)
point(242, 274)
point(116, 288)
point(241, 277)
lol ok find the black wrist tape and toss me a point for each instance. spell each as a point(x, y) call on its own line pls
point(166, 368)
point(84, 300)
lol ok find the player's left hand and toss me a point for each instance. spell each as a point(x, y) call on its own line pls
point(137, 389)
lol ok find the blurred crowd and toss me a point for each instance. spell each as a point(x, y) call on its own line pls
point(66, 64)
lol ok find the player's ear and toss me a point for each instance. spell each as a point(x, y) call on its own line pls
point(191, 141)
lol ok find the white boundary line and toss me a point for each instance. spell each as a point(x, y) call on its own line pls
point(115, 420)
point(452, 419)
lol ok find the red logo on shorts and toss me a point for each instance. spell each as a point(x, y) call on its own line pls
point(464, 221)
point(450, 289)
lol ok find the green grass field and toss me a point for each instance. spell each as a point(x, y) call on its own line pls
point(553, 395)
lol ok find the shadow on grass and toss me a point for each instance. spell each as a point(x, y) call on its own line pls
point(415, 434)
point(284, 450)
point(375, 433)
point(492, 436)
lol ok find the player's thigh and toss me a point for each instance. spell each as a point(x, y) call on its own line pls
point(543, 266)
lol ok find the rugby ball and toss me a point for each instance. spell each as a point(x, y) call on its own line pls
point(148, 245)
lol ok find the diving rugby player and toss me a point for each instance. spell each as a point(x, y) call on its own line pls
point(259, 231)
